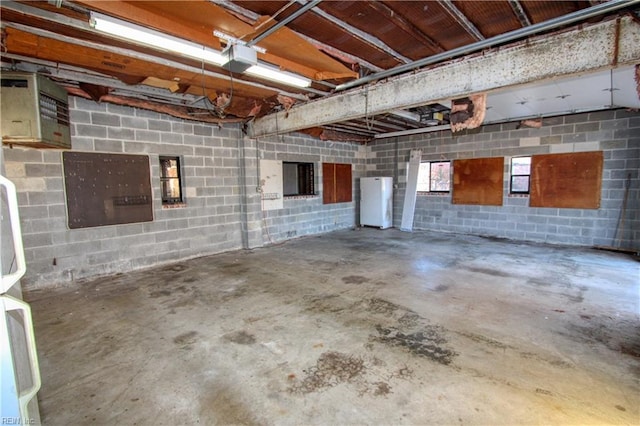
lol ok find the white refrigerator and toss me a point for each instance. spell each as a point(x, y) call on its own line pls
point(18, 358)
point(376, 202)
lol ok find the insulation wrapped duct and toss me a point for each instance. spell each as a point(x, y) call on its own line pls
point(468, 113)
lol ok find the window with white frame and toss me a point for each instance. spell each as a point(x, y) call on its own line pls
point(434, 176)
point(520, 175)
point(440, 176)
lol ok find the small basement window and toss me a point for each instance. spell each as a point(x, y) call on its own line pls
point(170, 180)
point(298, 178)
point(440, 176)
point(520, 175)
point(434, 176)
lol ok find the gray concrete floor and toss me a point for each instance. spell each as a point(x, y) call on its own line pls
point(352, 327)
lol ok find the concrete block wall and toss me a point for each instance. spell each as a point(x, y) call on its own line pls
point(220, 212)
point(615, 132)
point(305, 215)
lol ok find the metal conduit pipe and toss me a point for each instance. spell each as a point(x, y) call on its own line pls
point(587, 13)
point(284, 22)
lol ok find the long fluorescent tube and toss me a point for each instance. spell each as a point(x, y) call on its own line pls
point(279, 76)
point(155, 39)
point(158, 40)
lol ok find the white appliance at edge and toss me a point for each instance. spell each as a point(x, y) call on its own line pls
point(376, 202)
point(18, 359)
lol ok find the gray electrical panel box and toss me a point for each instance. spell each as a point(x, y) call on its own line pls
point(35, 111)
point(239, 58)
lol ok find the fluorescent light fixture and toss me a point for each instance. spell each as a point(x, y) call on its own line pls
point(145, 36)
point(141, 35)
point(271, 73)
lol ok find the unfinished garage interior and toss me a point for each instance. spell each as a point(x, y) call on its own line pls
point(319, 212)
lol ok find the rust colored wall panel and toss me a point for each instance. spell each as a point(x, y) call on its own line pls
point(478, 181)
point(572, 180)
point(337, 185)
point(328, 183)
point(344, 187)
point(106, 189)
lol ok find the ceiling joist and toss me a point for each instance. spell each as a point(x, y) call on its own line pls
point(403, 23)
point(582, 50)
point(251, 18)
point(460, 17)
point(520, 13)
point(338, 45)
point(362, 35)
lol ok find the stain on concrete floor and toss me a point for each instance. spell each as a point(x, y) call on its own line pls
point(427, 342)
point(331, 369)
point(354, 279)
point(368, 327)
point(186, 339)
point(240, 337)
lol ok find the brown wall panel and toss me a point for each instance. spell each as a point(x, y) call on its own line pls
point(337, 185)
point(344, 186)
point(478, 181)
point(328, 183)
point(106, 189)
point(572, 180)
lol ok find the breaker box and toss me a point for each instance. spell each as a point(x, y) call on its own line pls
point(35, 111)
